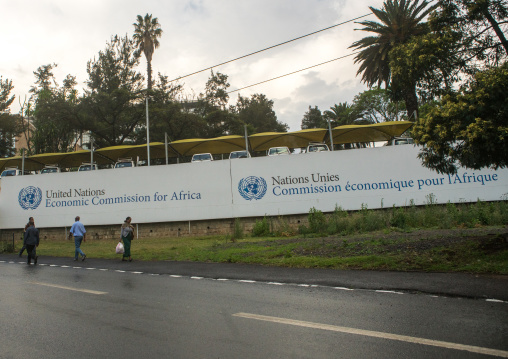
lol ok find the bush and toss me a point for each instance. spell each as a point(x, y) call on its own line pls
point(317, 221)
point(237, 230)
point(261, 228)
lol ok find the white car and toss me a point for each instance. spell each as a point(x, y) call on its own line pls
point(13, 171)
point(202, 157)
point(87, 167)
point(239, 154)
point(51, 169)
point(277, 151)
point(317, 147)
point(125, 162)
point(400, 141)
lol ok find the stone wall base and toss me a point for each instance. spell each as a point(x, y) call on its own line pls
point(168, 229)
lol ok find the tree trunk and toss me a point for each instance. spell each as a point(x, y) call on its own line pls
point(149, 73)
point(496, 28)
point(411, 101)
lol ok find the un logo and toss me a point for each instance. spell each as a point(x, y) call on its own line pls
point(252, 187)
point(30, 197)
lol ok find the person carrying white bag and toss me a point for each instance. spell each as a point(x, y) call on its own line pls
point(127, 234)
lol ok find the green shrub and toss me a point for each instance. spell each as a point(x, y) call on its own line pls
point(261, 228)
point(317, 221)
point(237, 230)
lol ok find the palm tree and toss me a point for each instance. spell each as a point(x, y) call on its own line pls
point(400, 21)
point(146, 34)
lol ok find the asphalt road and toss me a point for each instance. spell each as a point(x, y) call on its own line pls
point(110, 309)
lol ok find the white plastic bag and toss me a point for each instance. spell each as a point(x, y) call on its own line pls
point(119, 248)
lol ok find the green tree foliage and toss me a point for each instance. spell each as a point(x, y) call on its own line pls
point(430, 61)
point(258, 114)
point(113, 107)
point(147, 32)
point(9, 127)
point(469, 128)
point(168, 115)
point(313, 118)
point(400, 20)
point(216, 91)
point(476, 25)
point(374, 106)
point(341, 114)
point(52, 110)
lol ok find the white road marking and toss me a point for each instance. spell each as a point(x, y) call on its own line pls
point(89, 291)
point(382, 335)
point(275, 283)
point(343, 288)
point(495, 300)
point(196, 277)
point(388, 291)
point(137, 272)
point(247, 281)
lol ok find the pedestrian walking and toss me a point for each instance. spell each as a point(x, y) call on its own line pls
point(79, 232)
point(31, 241)
point(26, 227)
point(127, 235)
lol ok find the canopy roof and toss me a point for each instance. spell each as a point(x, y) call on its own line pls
point(258, 142)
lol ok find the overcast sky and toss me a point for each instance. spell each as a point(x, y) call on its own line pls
point(196, 34)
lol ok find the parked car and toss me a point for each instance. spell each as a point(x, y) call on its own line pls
point(202, 157)
point(317, 147)
point(51, 169)
point(276, 151)
point(13, 171)
point(125, 162)
point(400, 141)
point(239, 154)
point(87, 167)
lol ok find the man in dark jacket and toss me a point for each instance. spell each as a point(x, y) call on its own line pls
point(31, 219)
point(31, 240)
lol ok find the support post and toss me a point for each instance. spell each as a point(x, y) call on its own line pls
point(331, 135)
point(147, 133)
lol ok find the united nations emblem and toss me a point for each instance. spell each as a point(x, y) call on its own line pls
point(252, 187)
point(30, 197)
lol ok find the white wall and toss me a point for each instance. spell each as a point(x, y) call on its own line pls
point(208, 190)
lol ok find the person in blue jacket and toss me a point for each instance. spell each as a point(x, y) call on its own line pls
point(79, 232)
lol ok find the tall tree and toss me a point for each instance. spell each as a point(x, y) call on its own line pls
point(258, 114)
point(477, 26)
point(313, 118)
point(216, 90)
point(341, 114)
point(168, 115)
point(147, 32)
point(400, 20)
point(112, 106)
point(49, 116)
point(468, 128)
point(8, 123)
point(374, 106)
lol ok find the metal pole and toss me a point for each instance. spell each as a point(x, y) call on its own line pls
point(246, 138)
point(166, 145)
point(91, 152)
point(22, 161)
point(147, 133)
point(331, 135)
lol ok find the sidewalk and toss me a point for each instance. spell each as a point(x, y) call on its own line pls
point(448, 284)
